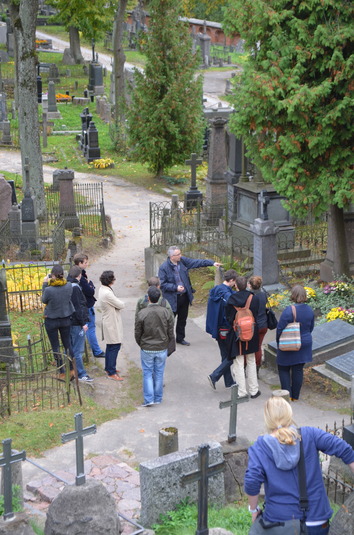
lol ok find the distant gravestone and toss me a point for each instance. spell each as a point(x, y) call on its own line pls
point(53, 112)
point(216, 184)
point(93, 151)
point(265, 248)
point(6, 133)
point(87, 509)
point(68, 58)
point(5, 198)
point(53, 75)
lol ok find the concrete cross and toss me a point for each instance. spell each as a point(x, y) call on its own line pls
point(202, 476)
point(78, 435)
point(193, 162)
point(234, 401)
point(6, 461)
point(264, 200)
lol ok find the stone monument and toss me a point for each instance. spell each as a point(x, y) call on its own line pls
point(205, 41)
point(95, 85)
point(30, 226)
point(53, 112)
point(5, 198)
point(216, 184)
point(67, 207)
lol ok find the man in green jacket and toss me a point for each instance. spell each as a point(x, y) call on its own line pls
point(153, 333)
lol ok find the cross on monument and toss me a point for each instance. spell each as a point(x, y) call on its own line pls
point(93, 50)
point(234, 401)
point(6, 461)
point(193, 162)
point(193, 196)
point(27, 178)
point(78, 435)
point(264, 200)
point(202, 476)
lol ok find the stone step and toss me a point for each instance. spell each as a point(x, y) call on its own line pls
point(322, 370)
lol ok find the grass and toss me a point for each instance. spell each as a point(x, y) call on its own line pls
point(24, 324)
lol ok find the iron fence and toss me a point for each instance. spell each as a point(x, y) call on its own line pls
point(58, 239)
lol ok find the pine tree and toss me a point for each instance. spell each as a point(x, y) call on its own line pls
point(295, 104)
point(165, 117)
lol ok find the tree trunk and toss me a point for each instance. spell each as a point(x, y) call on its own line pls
point(24, 18)
point(74, 39)
point(118, 71)
point(336, 233)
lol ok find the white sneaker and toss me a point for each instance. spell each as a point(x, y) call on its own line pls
point(86, 379)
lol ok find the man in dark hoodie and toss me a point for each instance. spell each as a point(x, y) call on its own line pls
point(78, 327)
point(218, 326)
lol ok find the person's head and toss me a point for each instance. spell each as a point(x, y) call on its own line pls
point(241, 283)
point(154, 281)
point(230, 275)
point(153, 294)
point(255, 282)
point(81, 259)
point(298, 294)
point(174, 253)
point(57, 272)
point(278, 418)
point(107, 278)
point(75, 272)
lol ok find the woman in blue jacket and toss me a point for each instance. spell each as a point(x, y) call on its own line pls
point(273, 461)
point(291, 363)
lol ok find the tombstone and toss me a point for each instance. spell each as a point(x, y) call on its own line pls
point(329, 269)
point(78, 435)
point(68, 58)
point(15, 222)
point(39, 87)
point(30, 226)
point(3, 32)
point(95, 84)
point(160, 482)
point(88, 508)
point(6, 346)
point(53, 75)
point(53, 112)
point(86, 118)
point(67, 208)
point(329, 340)
point(93, 151)
point(233, 403)
point(6, 133)
point(3, 109)
point(5, 198)
point(216, 184)
point(10, 38)
point(205, 41)
point(9, 457)
point(193, 196)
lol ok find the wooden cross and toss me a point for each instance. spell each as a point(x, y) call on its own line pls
point(78, 435)
point(6, 461)
point(234, 401)
point(202, 476)
point(193, 162)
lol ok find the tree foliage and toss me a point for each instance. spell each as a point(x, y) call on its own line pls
point(165, 116)
point(204, 9)
point(294, 102)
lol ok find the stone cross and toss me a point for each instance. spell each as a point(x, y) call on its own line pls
point(193, 162)
point(202, 476)
point(6, 461)
point(264, 200)
point(234, 401)
point(93, 50)
point(27, 177)
point(78, 435)
point(243, 177)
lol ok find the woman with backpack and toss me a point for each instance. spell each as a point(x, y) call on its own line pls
point(241, 312)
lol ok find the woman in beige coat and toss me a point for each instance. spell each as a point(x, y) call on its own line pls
point(112, 326)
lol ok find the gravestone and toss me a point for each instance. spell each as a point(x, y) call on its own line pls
point(68, 58)
point(6, 345)
point(87, 509)
point(86, 118)
point(6, 133)
point(30, 226)
point(95, 84)
point(67, 207)
point(233, 403)
point(10, 38)
point(193, 196)
point(339, 369)
point(53, 112)
point(265, 259)
point(160, 486)
point(329, 340)
point(5, 198)
point(3, 109)
point(6, 461)
point(216, 184)
point(205, 41)
point(53, 75)
point(78, 435)
point(93, 151)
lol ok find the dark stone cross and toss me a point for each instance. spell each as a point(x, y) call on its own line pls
point(193, 162)
point(27, 178)
point(202, 476)
point(193, 196)
point(78, 435)
point(5, 462)
point(234, 401)
point(264, 200)
point(93, 50)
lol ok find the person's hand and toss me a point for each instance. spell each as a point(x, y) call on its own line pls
point(217, 264)
point(180, 288)
point(84, 328)
point(47, 278)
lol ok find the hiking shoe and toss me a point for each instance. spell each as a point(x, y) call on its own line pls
point(86, 379)
point(211, 382)
point(115, 377)
point(147, 404)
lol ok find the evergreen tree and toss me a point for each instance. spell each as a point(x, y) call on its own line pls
point(165, 117)
point(294, 102)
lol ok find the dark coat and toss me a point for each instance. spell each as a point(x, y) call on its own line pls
point(238, 299)
point(154, 328)
point(306, 318)
point(218, 297)
point(168, 279)
point(88, 289)
point(80, 316)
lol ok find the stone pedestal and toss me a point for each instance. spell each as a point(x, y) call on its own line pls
point(15, 221)
point(329, 268)
point(236, 457)
point(95, 84)
point(265, 260)
point(53, 112)
point(67, 207)
point(216, 184)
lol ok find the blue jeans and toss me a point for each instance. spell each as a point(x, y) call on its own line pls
point(91, 333)
point(54, 327)
point(153, 366)
point(78, 346)
point(291, 378)
point(111, 358)
point(317, 530)
point(224, 368)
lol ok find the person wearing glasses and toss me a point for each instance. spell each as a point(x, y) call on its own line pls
point(176, 286)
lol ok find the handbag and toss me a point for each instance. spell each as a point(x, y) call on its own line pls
point(295, 526)
point(272, 321)
point(290, 338)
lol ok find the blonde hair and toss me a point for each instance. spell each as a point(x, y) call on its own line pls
point(278, 417)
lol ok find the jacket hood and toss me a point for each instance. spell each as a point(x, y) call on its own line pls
point(217, 293)
point(286, 457)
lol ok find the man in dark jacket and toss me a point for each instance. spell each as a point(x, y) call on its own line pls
point(176, 286)
point(218, 326)
point(79, 322)
point(238, 349)
point(88, 289)
point(153, 333)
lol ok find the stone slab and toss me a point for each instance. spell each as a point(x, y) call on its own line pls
point(161, 487)
point(328, 374)
point(342, 365)
point(329, 340)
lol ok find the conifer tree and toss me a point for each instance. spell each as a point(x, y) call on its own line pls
point(295, 103)
point(165, 116)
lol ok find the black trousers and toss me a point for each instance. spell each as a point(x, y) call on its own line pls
point(182, 315)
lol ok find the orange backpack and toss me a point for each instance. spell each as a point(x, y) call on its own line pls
point(244, 323)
